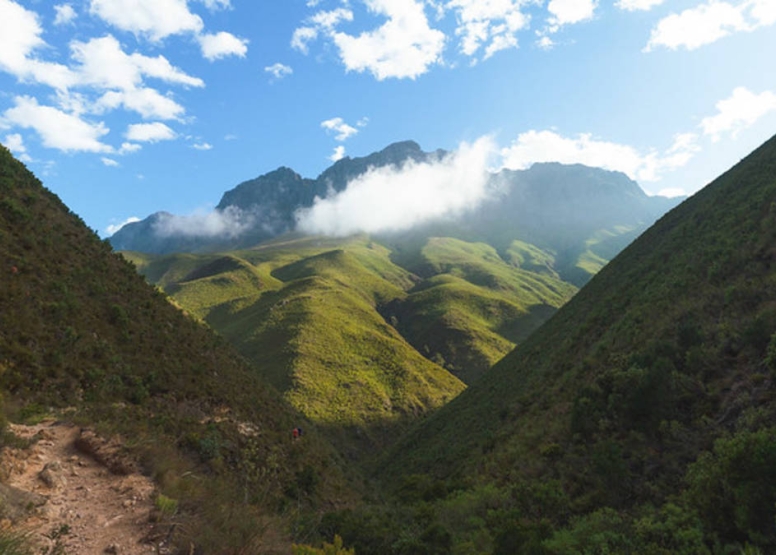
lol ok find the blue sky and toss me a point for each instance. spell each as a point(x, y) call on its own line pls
point(127, 107)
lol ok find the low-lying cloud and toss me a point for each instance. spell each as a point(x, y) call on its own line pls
point(391, 199)
point(228, 223)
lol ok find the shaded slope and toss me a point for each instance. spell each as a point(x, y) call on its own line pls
point(80, 328)
point(667, 350)
point(474, 307)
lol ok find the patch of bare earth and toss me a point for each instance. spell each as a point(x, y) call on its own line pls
point(93, 500)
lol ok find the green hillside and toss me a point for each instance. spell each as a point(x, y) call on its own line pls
point(82, 330)
point(475, 306)
point(640, 418)
point(355, 341)
point(305, 312)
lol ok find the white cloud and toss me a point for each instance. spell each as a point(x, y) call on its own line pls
point(393, 199)
point(155, 19)
point(103, 63)
point(565, 12)
point(338, 126)
point(202, 146)
point(403, 47)
point(65, 14)
point(327, 20)
point(671, 192)
point(491, 24)
point(111, 163)
point(15, 143)
point(57, 129)
point(709, 22)
point(763, 11)
point(111, 229)
point(338, 154)
point(548, 146)
point(302, 37)
point(20, 37)
point(738, 112)
point(129, 148)
point(230, 222)
point(221, 45)
point(214, 5)
point(638, 5)
point(279, 70)
point(150, 132)
point(149, 103)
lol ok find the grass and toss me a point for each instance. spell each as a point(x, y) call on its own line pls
point(664, 354)
point(83, 329)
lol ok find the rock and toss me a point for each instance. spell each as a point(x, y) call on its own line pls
point(53, 475)
point(113, 548)
point(109, 453)
point(16, 503)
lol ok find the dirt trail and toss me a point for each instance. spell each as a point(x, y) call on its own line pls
point(89, 509)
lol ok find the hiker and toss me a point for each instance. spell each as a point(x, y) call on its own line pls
point(295, 433)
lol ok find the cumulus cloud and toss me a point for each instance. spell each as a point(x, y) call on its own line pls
point(278, 70)
point(149, 103)
point(222, 45)
point(403, 47)
point(202, 146)
point(738, 112)
point(394, 199)
point(64, 14)
point(709, 22)
point(100, 75)
point(113, 228)
point(20, 38)
point(337, 125)
point(338, 154)
point(488, 24)
point(231, 222)
point(150, 132)
point(110, 162)
point(638, 5)
point(15, 143)
point(155, 19)
point(548, 146)
point(566, 12)
point(57, 129)
point(103, 63)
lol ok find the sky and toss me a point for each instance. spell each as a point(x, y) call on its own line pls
point(128, 107)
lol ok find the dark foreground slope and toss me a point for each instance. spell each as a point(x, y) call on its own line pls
point(641, 417)
point(81, 329)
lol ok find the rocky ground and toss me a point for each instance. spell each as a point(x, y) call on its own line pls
point(74, 493)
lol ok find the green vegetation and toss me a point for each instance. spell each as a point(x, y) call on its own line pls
point(356, 342)
point(83, 330)
point(641, 417)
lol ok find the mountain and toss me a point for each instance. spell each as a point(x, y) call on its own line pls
point(266, 205)
point(640, 418)
point(582, 215)
point(84, 338)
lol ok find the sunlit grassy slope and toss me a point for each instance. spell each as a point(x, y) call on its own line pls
point(81, 329)
point(641, 418)
point(354, 340)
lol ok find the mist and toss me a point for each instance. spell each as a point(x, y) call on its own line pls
point(229, 223)
point(391, 199)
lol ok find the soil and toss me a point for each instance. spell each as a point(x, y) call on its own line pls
point(88, 509)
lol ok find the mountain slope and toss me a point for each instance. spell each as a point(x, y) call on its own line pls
point(651, 392)
point(81, 329)
point(305, 312)
point(560, 209)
